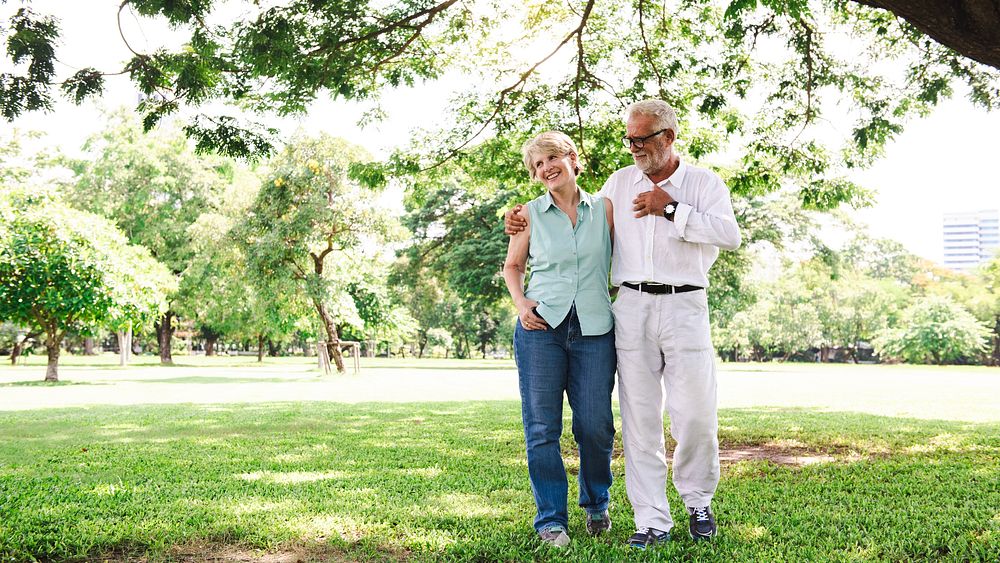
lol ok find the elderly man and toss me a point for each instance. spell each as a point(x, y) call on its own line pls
point(671, 219)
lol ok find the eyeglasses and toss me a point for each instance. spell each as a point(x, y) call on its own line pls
point(638, 142)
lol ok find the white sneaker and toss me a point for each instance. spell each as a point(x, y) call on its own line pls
point(555, 536)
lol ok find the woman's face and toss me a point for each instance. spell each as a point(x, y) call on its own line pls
point(554, 170)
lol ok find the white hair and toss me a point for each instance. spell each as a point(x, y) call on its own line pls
point(665, 116)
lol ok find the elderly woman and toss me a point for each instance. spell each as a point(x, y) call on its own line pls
point(564, 340)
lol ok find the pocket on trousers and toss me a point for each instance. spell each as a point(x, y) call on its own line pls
point(693, 327)
point(628, 321)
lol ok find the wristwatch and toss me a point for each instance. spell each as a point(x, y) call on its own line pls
point(669, 210)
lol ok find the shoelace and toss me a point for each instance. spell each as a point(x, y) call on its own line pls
point(701, 514)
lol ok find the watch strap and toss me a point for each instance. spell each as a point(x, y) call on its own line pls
point(669, 210)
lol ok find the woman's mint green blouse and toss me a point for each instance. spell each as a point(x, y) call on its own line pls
point(570, 265)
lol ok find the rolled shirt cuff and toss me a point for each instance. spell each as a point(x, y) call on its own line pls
point(681, 218)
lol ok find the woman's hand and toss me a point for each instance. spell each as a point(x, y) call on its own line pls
point(529, 316)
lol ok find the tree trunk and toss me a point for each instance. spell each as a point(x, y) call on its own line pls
point(260, 347)
point(130, 347)
point(124, 347)
point(971, 27)
point(996, 342)
point(88, 346)
point(18, 348)
point(332, 339)
point(421, 344)
point(164, 334)
point(210, 342)
point(53, 340)
point(15, 352)
point(272, 348)
point(122, 353)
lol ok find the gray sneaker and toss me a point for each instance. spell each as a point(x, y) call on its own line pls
point(646, 537)
point(598, 523)
point(555, 536)
point(702, 525)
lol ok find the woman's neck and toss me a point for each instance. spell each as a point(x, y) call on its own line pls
point(565, 195)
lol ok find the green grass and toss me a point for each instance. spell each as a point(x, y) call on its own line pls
point(109, 360)
point(449, 481)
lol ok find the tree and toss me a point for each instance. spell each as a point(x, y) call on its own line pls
point(381, 309)
point(439, 337)
point(62, 269)
point(979, 293)
point(222, 302)
point(700, 55)
point(430, 302)
point(865, 308)
point(733, 338)
point(310, 224)
point(154, 187)
point(936, 330)
point(454, 214)
point(880, 258)
point(792, 318)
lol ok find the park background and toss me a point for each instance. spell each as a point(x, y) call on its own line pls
point(236, 217)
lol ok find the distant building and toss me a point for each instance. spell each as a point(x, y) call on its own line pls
point(971, 238)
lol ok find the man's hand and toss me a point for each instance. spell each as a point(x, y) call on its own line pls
point(530, 320)
point(651, 202)
point(513, 222)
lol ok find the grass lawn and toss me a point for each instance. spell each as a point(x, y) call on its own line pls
point(431, 481)
point(109, 361)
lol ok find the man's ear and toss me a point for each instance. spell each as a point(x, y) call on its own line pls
point(670, 136)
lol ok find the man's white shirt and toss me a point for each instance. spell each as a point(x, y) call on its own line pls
point(678, 252)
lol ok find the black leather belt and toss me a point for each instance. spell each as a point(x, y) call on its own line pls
point(659, 288)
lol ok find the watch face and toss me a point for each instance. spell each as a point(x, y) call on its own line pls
point(669, 208)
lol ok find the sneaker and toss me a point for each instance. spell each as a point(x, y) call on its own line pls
point(555, 536)
point(645, 537)
point(702, 523)
point(598, 523)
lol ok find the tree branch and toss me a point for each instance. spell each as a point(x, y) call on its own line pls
point(517, 86)
point(649, 54)
point(431, 12)
point(581, 71)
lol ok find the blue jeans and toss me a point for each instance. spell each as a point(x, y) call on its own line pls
point(549, 363)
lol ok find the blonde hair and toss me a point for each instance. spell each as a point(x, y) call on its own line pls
point(665, 116)
point(549, 143)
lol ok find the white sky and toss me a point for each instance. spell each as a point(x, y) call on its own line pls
point(943, 163)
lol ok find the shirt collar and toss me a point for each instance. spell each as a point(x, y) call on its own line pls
point(548, 202)
point(676, 179)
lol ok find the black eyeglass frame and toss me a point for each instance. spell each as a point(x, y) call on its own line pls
point(640, 141)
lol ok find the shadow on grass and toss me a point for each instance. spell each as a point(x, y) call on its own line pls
point(449, 481)
point(222, 379)
point(42, 383)
point(423, 367)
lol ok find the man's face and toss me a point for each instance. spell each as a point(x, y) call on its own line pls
point(654, 155)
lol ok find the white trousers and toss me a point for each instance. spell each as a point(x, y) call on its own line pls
point(666, 360)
